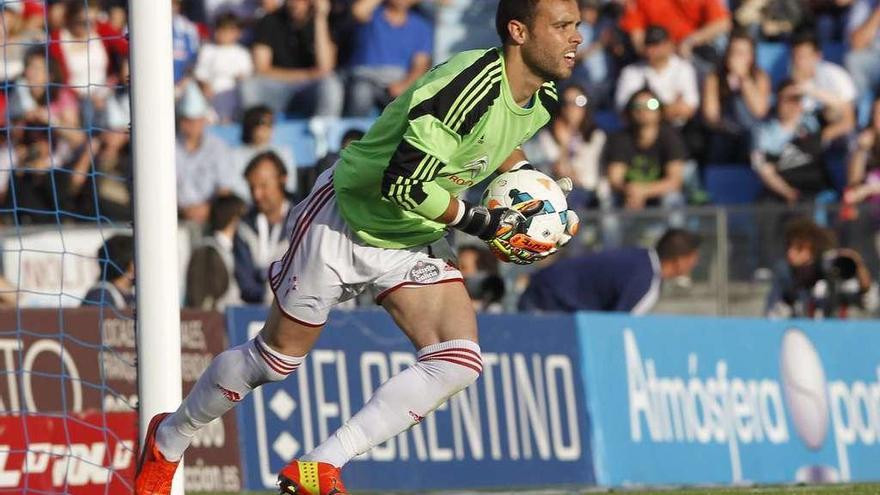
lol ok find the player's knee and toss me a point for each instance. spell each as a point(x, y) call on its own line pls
point(460, 362)
point(271, 365)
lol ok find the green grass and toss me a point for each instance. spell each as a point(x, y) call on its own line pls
point(792, 490)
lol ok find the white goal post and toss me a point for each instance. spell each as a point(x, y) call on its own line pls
point(155, 212)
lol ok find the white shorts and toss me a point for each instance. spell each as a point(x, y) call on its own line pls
point(327, 263)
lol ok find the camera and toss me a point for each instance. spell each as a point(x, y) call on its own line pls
point(838, 287)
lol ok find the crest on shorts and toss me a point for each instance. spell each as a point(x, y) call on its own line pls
point(424, 273)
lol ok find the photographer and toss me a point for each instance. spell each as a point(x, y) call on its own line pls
point(816, 280)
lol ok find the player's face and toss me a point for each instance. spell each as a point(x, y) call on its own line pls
point(267, 187)
point(553, 38)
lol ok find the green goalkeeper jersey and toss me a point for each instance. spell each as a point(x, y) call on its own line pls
point(447, 132)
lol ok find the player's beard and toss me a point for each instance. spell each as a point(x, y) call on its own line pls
point(545, 64)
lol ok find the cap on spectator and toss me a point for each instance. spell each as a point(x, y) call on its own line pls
point(655, 34)
point(192, 104)
point(590, 4)
point(15, 6)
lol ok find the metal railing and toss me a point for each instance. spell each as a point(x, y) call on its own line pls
point(740, 246)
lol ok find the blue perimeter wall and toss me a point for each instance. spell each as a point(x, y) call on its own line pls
point(590, 399)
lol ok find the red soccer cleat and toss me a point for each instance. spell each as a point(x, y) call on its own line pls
point(310, 478)
point(154, 473)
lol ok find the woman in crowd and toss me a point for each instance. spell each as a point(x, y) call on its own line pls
point(863, 174)
point(736, 97)
point(573, 144)
point(39, 100)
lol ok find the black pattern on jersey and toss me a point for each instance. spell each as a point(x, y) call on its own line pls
point(461, 103)
point(408, 168)
point(549, 98)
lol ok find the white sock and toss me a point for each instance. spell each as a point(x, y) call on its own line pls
point(230, 377)
point(442, 370)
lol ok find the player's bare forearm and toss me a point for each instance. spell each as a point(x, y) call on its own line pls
point(451, 212)
point(515, 157)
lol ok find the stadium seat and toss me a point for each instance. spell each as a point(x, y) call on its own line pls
point(834, 52)
point(229, 133)
point(293, 133)
point(608, 120)
point(296, 134)
point(328, 132)
point(836, 168)
point(773, 58)
point(731, 184)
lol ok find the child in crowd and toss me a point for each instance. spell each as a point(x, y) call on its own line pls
point(222, 65)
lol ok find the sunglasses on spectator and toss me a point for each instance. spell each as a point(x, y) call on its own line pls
point(266, 121)
point(652, 104)
point(579, 101)
point(791, 98)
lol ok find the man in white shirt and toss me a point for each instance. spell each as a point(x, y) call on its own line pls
point(829, 91)
point(670, 77)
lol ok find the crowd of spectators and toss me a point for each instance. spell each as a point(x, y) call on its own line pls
point(662, 90)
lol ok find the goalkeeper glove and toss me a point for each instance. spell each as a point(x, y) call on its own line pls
point(503, 229)
point(572, 222)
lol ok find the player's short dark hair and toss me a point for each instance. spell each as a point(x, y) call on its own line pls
point(805, 230)
point(224, 209)
point(513, 10)
point(675, 243)
point(805, 36)
point(253, 117)
point(116, 254)
point(269, 156)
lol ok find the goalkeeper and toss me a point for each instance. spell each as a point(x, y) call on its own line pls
point(376, 221)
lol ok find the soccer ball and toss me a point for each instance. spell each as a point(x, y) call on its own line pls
point(519, 186)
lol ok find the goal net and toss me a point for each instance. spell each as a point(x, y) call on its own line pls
point(68, 420)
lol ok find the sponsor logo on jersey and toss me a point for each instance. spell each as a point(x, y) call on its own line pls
point(424, 273)
point(476, 167)
point(470, 171)
point(459, 181)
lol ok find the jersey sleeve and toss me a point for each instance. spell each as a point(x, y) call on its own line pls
point(442, 110)
point(408, 181)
